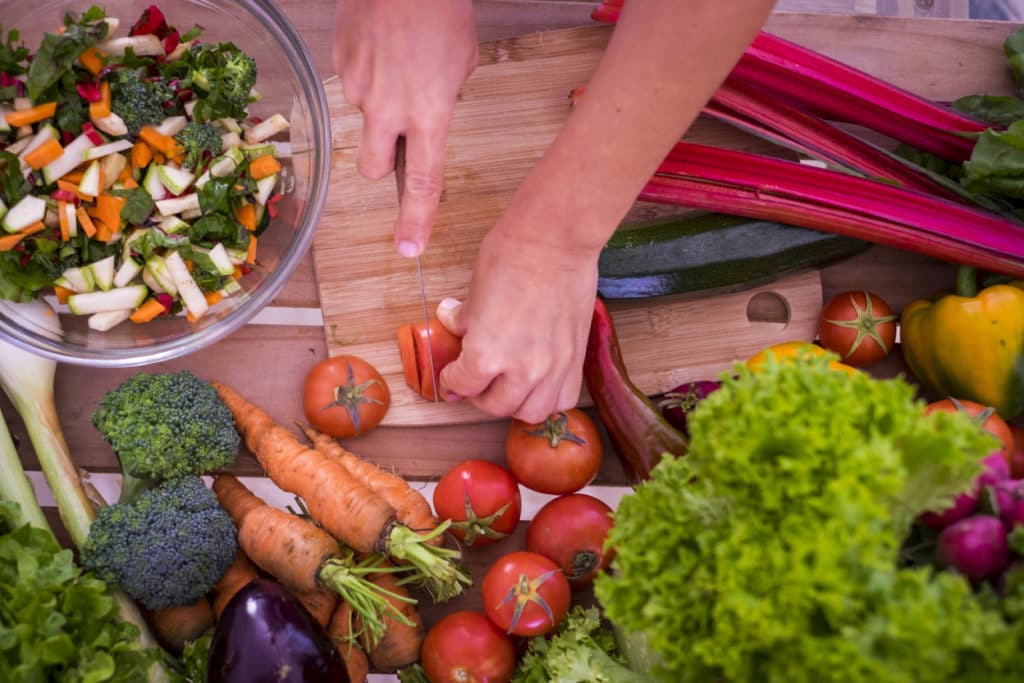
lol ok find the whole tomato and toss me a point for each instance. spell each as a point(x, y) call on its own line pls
point(345, 396)
point(984, 416)
point(482, 499)
point(859, 326)
point(571, 531)
point(466, 646)
point(526, 594)
point(560, 456)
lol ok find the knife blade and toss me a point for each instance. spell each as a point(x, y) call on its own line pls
point(400, 186)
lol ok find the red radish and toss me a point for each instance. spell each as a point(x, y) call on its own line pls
point(976, 547)
point(996, 469)
point(676, 405)
point(1007, 498)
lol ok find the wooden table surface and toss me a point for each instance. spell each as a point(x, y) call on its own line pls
point(268, 361)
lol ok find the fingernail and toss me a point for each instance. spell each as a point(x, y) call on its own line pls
point(408, 249)
point(448, 304)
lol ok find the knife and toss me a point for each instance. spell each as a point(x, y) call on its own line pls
point(400, 184)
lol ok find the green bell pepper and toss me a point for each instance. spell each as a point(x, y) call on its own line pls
point(969, 345)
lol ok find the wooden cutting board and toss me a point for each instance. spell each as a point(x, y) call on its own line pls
point(509, 110)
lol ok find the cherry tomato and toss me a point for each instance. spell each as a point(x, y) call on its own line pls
point(985, 417)
point(481, 498)
point(786, 351)
point(526, 594)
point(415, 342)
point(466, 647)
point(560, 456)
point(859, 326)
point(571, 531)
point(345, 396)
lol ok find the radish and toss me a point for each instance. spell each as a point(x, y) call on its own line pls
point(996, 469)
point(1007, 499)
point(976, 547)
point(676, 405)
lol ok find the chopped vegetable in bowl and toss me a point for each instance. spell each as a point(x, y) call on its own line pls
point(133, 182)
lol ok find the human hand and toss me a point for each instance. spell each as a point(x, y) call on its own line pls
point(524, 329)
point(402, 63)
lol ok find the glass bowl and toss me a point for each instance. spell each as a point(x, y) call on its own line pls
point(290, 85)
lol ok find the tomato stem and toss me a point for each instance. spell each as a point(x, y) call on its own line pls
point(865, 323)
point(526, 590)
point(555, 431)
point(475, 526)
point(351, 395)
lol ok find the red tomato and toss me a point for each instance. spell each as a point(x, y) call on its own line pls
point(526, 594)
point(571, 531)
point(986, 418)
point(345, 396)
point(1017, 455)
point(466, 647)
point(414, 345)
point(859, 326)
point(481, 498)
point(560, 456)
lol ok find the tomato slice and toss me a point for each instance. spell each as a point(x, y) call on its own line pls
point(414, 345)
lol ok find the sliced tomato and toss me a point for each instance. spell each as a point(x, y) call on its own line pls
point(414, 347)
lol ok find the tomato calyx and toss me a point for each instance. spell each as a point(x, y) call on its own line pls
point(351, 395)
point(555, 430)
point(475, 526)
point(584, 563)
point(980, 418)
point(526, 590)
point(866, 324)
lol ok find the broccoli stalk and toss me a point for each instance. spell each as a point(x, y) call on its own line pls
point(27, 379)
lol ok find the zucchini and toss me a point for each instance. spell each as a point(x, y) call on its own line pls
point(701, 251)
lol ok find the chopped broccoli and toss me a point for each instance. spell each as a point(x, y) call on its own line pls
point(137, 101)
point(201, 142)
point(166, 425)
point(167, 548)
point(223, 77)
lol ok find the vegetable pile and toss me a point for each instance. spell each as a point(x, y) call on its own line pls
point(134, 182)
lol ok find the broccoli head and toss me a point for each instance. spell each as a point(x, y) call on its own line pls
point(166, 425)
point(139, 102)
point(223, 77)
point(201, 141)
point(168, 547)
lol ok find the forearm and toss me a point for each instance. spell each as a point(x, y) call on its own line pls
point(665, 60)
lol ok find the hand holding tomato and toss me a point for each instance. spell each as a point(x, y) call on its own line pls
point(481, 498)
point(345, 396)
point(561, 455)
point(859, 326)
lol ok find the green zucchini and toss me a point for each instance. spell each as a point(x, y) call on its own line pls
point(699, 251)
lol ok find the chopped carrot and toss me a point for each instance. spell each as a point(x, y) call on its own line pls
point(246, 215)
point(128, 182)
point(147, 311)
point(101, 108)
point(250, 253)
point(62, 215)
point(159, 158)
point(103, 231)
point(108, 210)
point(44, 154)
point(164, 144)
point(73, 188)
point(85, 220)
point(141, 155)
point(62, 293)
point(263, 166)
point(237, 275)
point(32, 228)
point(92, 61)
point(191, 317)
point(213, 297)
point(190, 265)
point(74, 177)
point(8, 242)
point(26, 117)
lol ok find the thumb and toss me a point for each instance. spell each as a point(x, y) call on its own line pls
point(450, 313)
point(459, 380)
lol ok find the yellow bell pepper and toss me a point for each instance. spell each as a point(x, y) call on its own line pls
point(970, 344)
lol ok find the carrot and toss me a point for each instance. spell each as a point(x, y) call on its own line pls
point(402, 640)
point(176, 626)
point(344, 632)
point(164, 144)
point(9, 242)
point(108, 210)
point(62, 218)
point(73, 188)
point(141, 155)
point(250, 252)
point(101, 108)
point(44, 154)
point(246, 215)
point(301, 555)
point(411, 508)
point(320, 604)
point(263, 166)
point(237, 577)
point(340, 503)
point(147, 311)
point(62, 294)
point(26, 117)
point(85, 220)
point(92, 61)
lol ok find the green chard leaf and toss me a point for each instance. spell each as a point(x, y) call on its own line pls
point(57, 53)
point(138, 205)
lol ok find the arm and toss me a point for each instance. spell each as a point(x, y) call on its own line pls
point(526, 319)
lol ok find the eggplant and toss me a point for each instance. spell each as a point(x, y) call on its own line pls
point(265, 635)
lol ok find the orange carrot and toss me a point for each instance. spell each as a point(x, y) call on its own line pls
point(343, 630)
point(9, 242)
point(85, 220)
point(176, 626)
point(62, 294)
point(101, 108)
point(301, 555)
point(164, 144)
point(108, 210)
point(237, 577)
point(339, 502)
point(44, 154)
point(26, 117)
point(62, 218)
point(250, 252)
point(92, 61)
point(141, 155)
point(73, 188)
point(320, 604)
point(263, 166)
point(411, 507)
point(147, 311)
point(402, 640)
point(246, 215)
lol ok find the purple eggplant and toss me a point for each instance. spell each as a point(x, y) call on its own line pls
point(265, 635)
point(677, 404)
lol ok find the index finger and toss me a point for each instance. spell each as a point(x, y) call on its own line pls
point(424, 178)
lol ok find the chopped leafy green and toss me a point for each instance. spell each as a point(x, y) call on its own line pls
point(20, 282)
point(138, 205)
point(772, 551)
point(996, 110)
point(12, 53)
point(57, 52)
point(12, 180)
point(223, 77)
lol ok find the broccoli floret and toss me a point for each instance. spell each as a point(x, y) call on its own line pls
point(201, 141)
point(167, 548)
point(139, 102)
point(166, 425)
point(223, 77)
